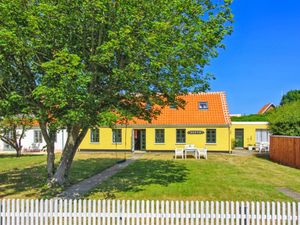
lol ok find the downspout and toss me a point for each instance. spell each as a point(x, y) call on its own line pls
point(229, 139)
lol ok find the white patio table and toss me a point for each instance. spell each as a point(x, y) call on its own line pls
point(191, 150)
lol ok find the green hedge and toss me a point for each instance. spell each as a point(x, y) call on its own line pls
point(250, 118)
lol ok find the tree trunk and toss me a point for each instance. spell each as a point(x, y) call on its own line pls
point(50, 160)
point(49, 137)
point(19, 151)
point(75, 136)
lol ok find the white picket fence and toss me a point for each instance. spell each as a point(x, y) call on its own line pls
point(121, 212)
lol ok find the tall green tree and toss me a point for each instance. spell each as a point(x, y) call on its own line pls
point(86, 63)
point(285, 120)
point(12, 131)
point(290, 96)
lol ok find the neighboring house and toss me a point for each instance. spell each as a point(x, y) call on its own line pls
point(266, 108)
point(33, 141)
point(205, 121)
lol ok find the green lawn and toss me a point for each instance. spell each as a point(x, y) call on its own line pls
point(25, 177)
point(221, 177)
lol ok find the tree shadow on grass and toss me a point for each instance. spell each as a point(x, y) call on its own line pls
point(31, 182)
point(141, 173)
point(263, 155)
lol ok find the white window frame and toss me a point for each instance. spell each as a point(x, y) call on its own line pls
point(201, 104)
point(37, 137)
point(114, 133)
point(163, 133)
point(95, 137)
point(180, 137)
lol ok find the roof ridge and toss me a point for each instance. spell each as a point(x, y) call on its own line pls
point(206, 93)
point(225, 108)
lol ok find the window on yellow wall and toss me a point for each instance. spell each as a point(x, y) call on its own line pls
point(211, 136)
point(95, 135)
point(117, 136)
point(180, 136)
point(159, 136)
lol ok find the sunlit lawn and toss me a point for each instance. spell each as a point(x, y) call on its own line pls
point(25, 177)
point(221, 177)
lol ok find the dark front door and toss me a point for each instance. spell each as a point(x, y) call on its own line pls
point(140, 139)
point(239, 138)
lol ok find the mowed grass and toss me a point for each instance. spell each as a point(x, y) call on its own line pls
point(26, 177)
point(221, 177)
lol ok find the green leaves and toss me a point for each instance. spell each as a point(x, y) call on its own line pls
point(285, 120)
point(75, 60)
point(290, 96)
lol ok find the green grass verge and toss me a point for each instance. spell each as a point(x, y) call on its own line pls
point(221, 177)
point(26, 177)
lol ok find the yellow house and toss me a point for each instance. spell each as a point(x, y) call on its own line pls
point(205, 122)
point(246, 134)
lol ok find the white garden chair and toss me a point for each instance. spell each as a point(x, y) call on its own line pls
point(178, 152)
point(262, 146)
point(202, 152)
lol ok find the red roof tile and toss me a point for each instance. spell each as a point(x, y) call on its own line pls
point(216, 114)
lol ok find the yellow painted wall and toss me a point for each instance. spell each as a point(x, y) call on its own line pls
point(249, 131)
point(199, 140)
point(105, 140)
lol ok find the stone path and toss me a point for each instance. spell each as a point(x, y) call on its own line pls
point(86, 185)
point(248, 153)
point(290, 193)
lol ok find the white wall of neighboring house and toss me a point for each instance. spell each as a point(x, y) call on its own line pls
point(32, 141)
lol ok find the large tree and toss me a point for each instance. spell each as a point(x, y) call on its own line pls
point(285, 120)
point(290, 96)
point(86, 63)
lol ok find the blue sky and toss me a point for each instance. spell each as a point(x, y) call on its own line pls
point(262, 56)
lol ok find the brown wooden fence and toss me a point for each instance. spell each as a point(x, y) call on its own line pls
point(285, 150)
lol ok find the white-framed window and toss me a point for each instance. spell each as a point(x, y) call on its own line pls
point(95, 135)
point(202, 105)
point(211, 136)
point(262, 135)
point(117, 136)
point(180, 136)
point(37, 136)
point(159, 136)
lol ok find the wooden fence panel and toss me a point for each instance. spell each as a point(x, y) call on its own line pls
point(285, 150)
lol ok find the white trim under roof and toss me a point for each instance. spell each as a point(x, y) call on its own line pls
point(250, 123)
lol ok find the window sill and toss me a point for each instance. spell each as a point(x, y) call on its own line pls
point(180, 143)
point(117, 143)
point(159, 143)
point(210, 143)
point(94, 143)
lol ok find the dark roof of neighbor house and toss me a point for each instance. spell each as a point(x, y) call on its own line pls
point(267, 107)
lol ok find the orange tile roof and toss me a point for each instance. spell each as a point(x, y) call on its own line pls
point(216, 114)
point(266, 108)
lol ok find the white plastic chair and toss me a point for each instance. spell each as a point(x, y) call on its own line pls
point(265, 146)
point(178, 152)
point(202, 152)
point(260, 146)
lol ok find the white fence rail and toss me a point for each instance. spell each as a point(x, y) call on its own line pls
point(121, 212)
